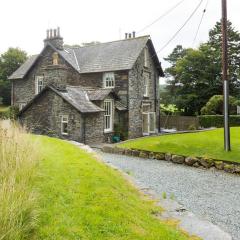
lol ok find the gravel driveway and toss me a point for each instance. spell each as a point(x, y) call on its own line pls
point(210, 194)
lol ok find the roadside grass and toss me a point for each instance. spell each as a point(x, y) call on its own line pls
point(201, 144)
point(18, 205)
point(82, 198)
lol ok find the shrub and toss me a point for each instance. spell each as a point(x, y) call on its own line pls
point(215, 105)
point(192, 127)
point(9, 112)
point(18, 159)
point(207, 121)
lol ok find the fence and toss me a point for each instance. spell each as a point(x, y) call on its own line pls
point(179, 122)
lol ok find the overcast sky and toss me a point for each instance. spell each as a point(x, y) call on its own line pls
point(23, 23)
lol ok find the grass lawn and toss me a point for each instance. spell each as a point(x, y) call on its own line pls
point(3, 108)
point(207, 144)
point(82, 198)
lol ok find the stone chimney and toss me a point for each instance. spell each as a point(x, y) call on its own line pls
point(54, 37)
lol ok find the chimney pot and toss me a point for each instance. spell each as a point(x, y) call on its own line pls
point(48, 34)
point(126, 35)
point(55, 32)
point(130, 35)
point(134, 34)
point(51, 33)
point(58, 31)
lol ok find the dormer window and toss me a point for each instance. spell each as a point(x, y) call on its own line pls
point(55, 58)
point(108, 80)
point(146, 57)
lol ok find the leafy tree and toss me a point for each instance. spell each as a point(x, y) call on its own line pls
point(10, 61)
point(195, 75)
point(169, 94)
point(215, 105)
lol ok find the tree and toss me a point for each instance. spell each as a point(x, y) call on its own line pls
point(169, 94)
point(10, 61)
point(195, 74)
point(215, 105)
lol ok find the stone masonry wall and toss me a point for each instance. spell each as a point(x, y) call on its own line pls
point(136, 92)
point(96, 80)
point(59, 75)
point(44, 117)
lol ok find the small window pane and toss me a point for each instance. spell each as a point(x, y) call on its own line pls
point(108, 80)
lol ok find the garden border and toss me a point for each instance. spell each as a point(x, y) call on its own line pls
point(198, 162)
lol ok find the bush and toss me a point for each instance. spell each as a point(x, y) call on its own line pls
point(17, 169)
point(192, 127)
point(215, 105)
point(207, 121)
point(9, 113)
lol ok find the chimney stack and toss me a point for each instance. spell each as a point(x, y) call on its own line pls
point(53, 37)
point(130, 35)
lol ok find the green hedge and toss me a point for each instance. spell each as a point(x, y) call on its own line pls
point(207, 121)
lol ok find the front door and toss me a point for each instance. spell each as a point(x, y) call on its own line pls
point(149, 123)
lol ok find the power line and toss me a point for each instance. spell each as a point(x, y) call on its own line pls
point(162, 16)
point(179, 30)
point(200, 23)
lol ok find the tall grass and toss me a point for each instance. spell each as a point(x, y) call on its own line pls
point(18, 159)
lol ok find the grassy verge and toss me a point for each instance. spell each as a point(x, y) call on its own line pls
point(18, 207)
point(202, 144)
point(81, 198)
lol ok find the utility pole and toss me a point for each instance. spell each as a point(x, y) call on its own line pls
point(227, 145)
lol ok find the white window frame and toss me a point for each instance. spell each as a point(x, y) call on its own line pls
point(64, 120)
point(108, 115)
point(38, 84)
point(151, 126)
point(108, 80)
point(146, 78)
point(146, 57)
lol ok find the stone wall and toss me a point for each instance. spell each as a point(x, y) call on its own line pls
point(96, 80)
point(94, 124)
point(197, 162)
point(59, 75)
point(44, 117)
point(136, 92)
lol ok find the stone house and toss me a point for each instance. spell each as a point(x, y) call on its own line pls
point(88, 93)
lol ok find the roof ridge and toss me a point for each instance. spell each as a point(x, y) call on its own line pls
point(120, 40)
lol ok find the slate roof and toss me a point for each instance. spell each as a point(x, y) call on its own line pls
point(24, 68)
point(102, 57)
point(76, 96)
point(120, 106)
point(98, 94)
point(111, 56)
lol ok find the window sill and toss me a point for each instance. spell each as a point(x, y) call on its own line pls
point(108, 87)
point(64, 134)
point(108, 131)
